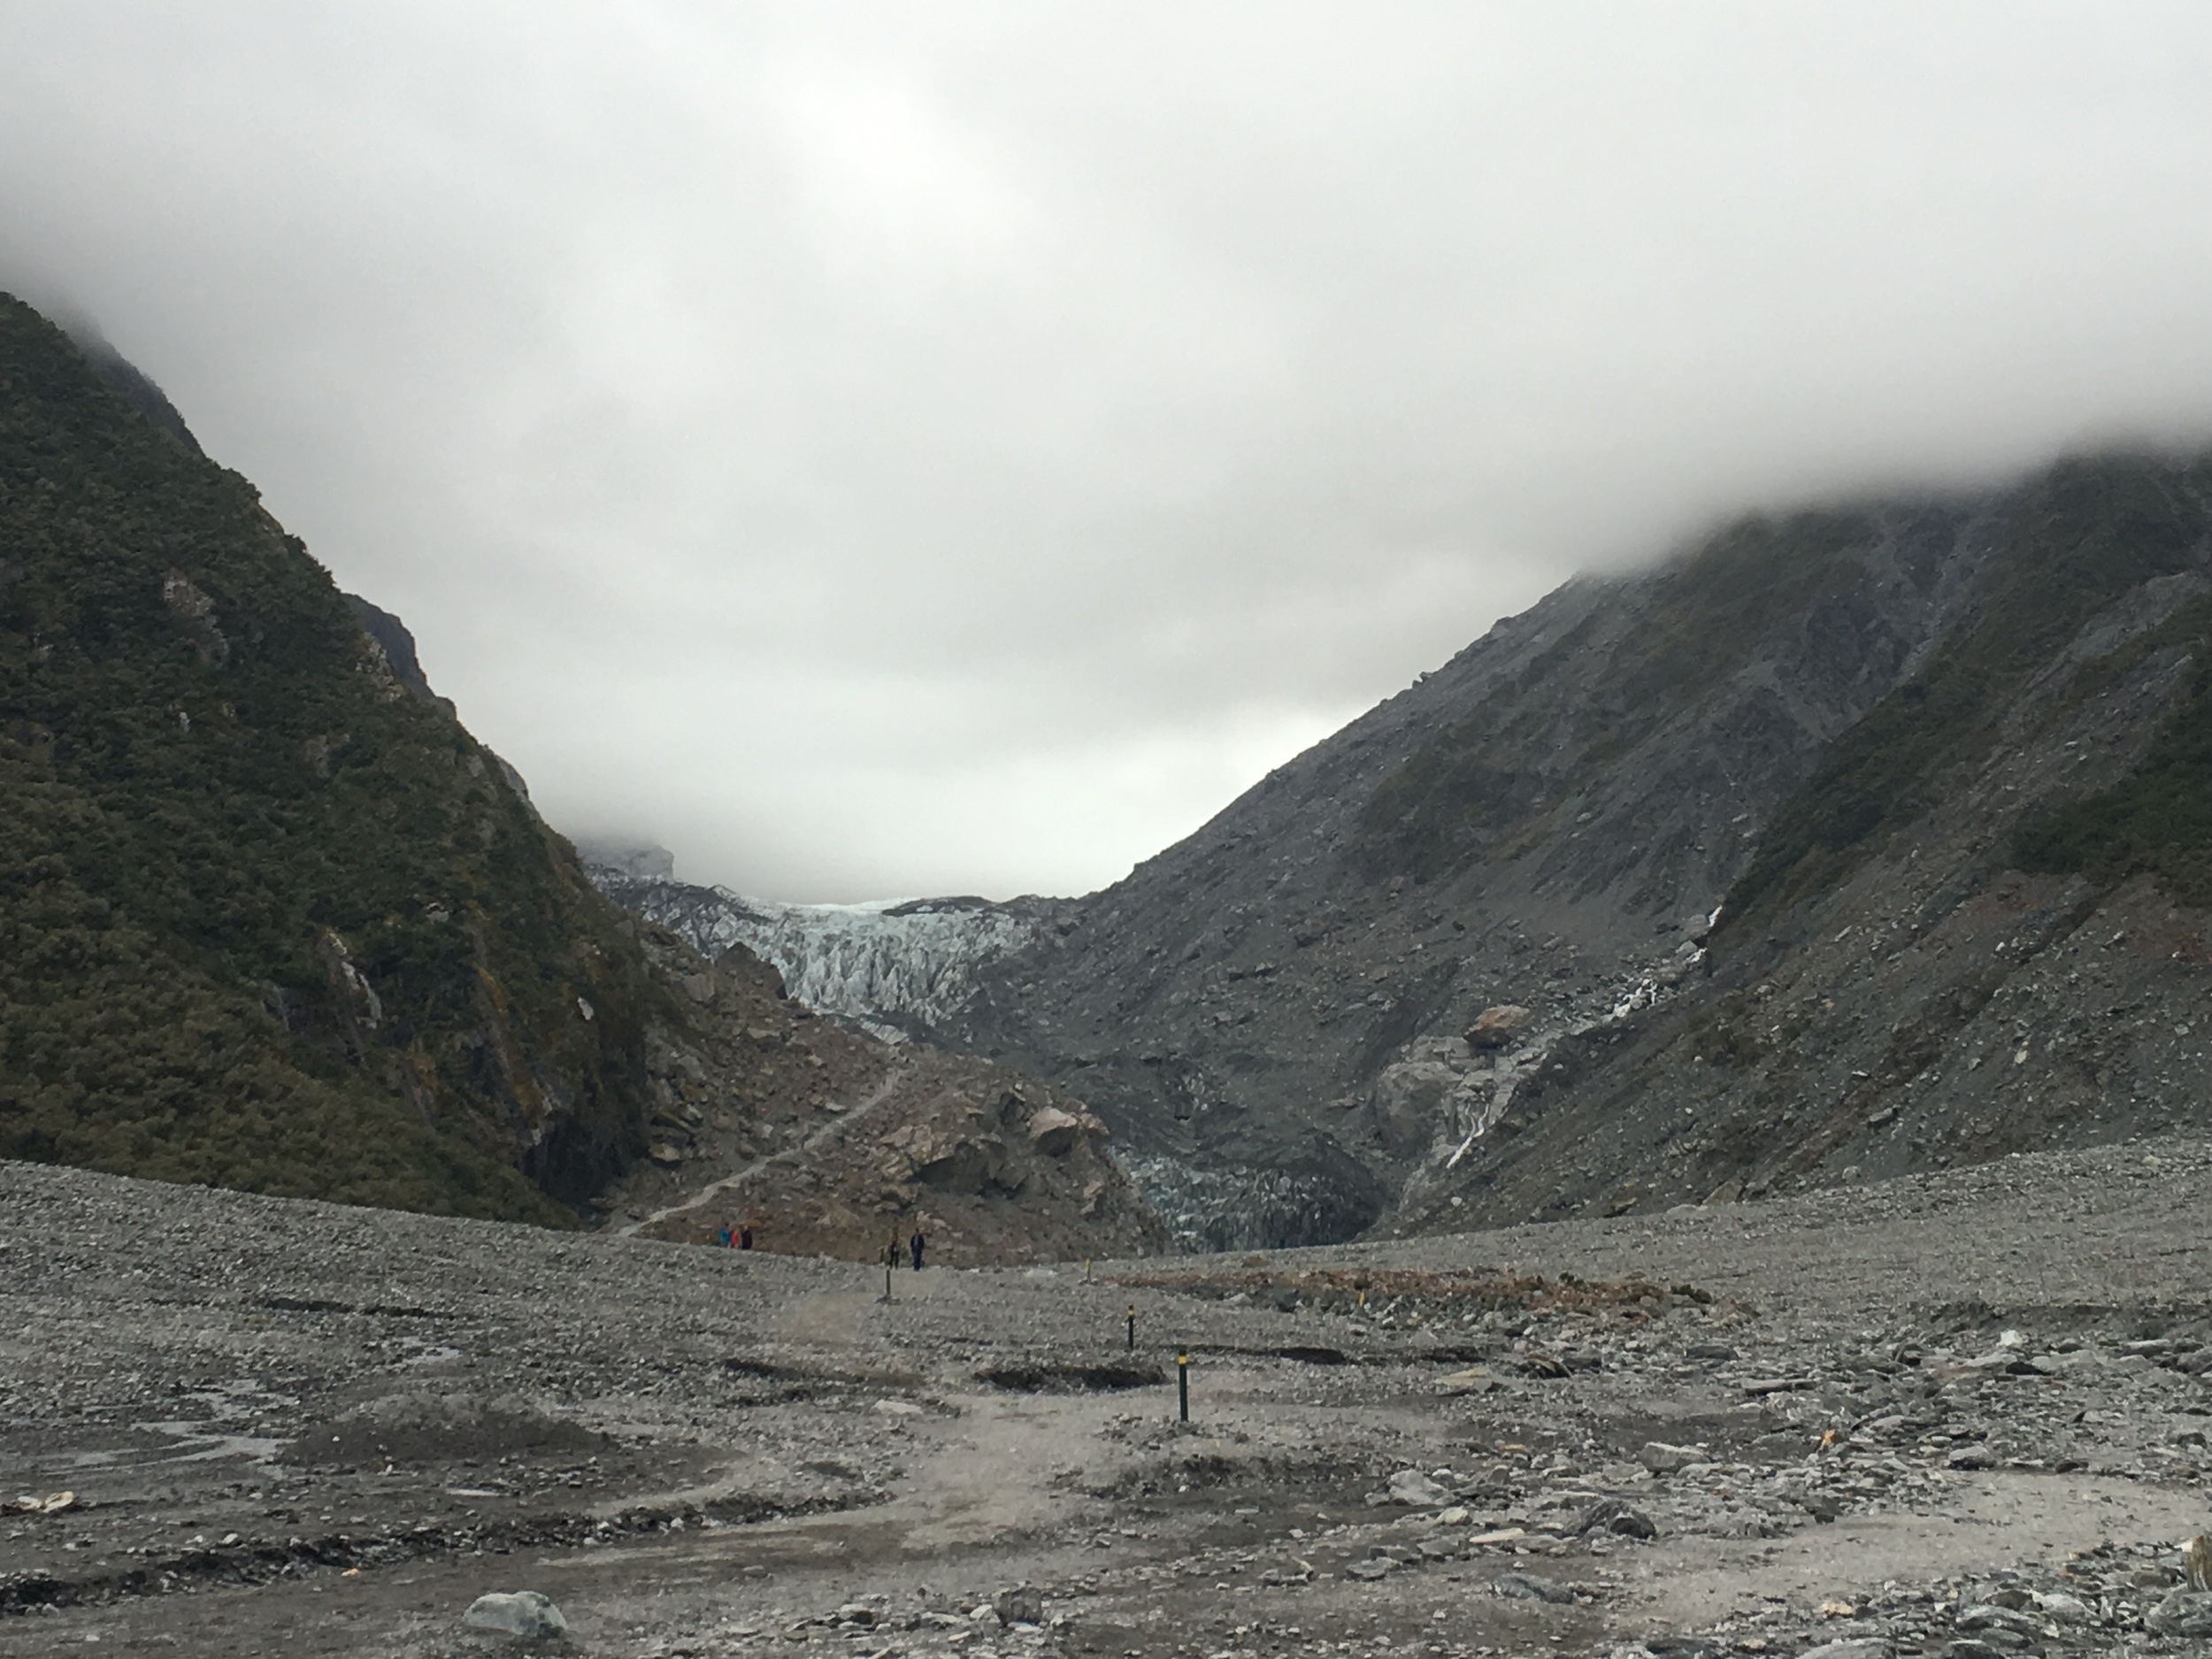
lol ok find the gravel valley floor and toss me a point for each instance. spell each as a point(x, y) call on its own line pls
point(1963, 1415)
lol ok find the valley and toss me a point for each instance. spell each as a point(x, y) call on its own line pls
point(1857, 840)
point(1930, 1412)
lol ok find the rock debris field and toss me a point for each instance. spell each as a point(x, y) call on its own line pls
point(1963, 1415)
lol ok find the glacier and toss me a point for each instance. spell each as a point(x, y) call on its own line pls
point(900, 969)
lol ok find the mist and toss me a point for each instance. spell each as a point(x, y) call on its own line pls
point(876, 450)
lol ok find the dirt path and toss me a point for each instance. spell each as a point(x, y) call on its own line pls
point(844, 1120)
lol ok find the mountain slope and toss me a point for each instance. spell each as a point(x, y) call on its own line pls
point(1977, 927)
point(1277, 1009)
point(266, 919)
point(1452, 964)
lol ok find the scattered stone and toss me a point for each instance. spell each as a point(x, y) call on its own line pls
point(521, 1613)
point(1372, 1568)
point(2183, 1613)
point(1662, 1459)
point(1850, 1647)
point(2062, 1608)
point(1526, 1587)
point(1611, 1514)
point(2196, 1561)
point(1411, 1486)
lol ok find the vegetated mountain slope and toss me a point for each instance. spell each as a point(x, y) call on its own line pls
point(1277, 1013)
point(270, 917)
point(1977, 927)
point(266, 919)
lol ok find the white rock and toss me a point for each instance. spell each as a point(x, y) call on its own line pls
point(523, 1613)
point(1411, 1486)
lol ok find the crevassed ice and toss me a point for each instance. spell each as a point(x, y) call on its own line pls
point(883, 965)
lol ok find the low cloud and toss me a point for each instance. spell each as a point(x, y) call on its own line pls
point(883, 451)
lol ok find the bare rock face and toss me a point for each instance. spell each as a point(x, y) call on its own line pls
point(973, 1165)
point(1057, 1133)
point(1494, 1028)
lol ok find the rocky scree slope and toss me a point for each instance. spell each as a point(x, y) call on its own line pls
point(270, 917)
point(1979, 925)
point(1279, 1009)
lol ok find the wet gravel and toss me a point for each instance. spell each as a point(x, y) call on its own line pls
point(1959, 1415)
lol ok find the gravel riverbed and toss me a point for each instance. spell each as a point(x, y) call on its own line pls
point(1959, 1415)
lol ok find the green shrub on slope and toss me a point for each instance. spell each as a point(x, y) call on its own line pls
point(2070, 547)
point(266, 920)
point(2159, 817)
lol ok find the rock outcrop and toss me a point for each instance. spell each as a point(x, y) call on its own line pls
point(828, 1141)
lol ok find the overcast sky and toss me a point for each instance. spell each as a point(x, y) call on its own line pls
point(891, 450)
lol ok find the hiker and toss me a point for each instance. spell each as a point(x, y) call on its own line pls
point(915, 1245)
point(724, 1238)
point(745, 1237)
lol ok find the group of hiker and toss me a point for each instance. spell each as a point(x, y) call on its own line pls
point(741, 1238)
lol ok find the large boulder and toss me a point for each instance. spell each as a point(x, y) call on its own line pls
point(1056, 1133)
point(522, 1613)
point(1494, 1028)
